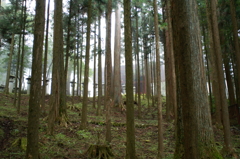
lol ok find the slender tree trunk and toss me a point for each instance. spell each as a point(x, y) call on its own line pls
point(158, 76)
point(45, 60)
point(6, 89)
point(94, 68)
point(208, 56)
point(57, 110)
point(36, 80)
point(78, 56)
point(131, 153)
point(22, 57)
point(229, 79)
point(236, 41)
point(138, 71)
point(108, 80)
point(117, 51)
point(221, 82)
point(68, 42)
point(99, 65)
point(171, 101)
point(213, 66)
point(86, 73)
point(17, 70)
point(80, 76)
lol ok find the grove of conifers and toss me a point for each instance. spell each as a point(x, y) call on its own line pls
point(118, 49)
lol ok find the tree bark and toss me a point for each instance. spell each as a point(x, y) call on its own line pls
point(108, 80)
point(117, 52)
point(131, 153)
point(99, 65)
point(171, 101)
point(86, 72)
point(158, 77)
point(36, 79)
point(57, 110)
point(94, 67)
point(45, 60)
point(194, 130)
point(24, 8)
point(213, 66)
point(220, 74)
point(236, 42)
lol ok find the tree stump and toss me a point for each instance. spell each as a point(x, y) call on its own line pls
point(99, 152)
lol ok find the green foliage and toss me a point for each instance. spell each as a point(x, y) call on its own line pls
point(82, 134)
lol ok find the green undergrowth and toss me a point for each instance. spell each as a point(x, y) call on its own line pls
point(72, 142)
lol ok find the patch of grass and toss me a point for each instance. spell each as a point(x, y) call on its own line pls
point(82, 134)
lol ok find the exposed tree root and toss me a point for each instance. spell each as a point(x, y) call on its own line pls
point(99, 152)
point(63, 120)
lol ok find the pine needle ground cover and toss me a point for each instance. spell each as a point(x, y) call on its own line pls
point(69, 142)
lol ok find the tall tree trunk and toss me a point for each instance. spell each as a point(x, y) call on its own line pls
point(138, 70)
point(99, 65)
point(81, 58)
point(236, 42)
point(117, 52)
point(130, 153)
point(171, 101)
point(208, 56)
point(68, 43)
point(86, 72)
point(21, 76)
point(108, 80)
point(36, 80)
point(94, 67)
point(229, 79)
point(158, 76)
point(57, 110)
point(17, 70)
point(45, 60)
point(6, 89)
point(220, 74)
point(78, 55)
point(213, 66)
point(194, 130)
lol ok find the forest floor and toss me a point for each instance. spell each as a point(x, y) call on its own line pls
point(69, 142)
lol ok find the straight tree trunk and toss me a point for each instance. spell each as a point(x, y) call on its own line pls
point(117, 51)
point(86, 72)
point(17, 70)
point(108, 80)
point(6, 89)
point(57, 110)
point(99, 65)
point(22, 57)
point(194, 138)
point(236, 42)
point(94, 68)
point(138, 71)
point(213, 66)
point(158, 76)
point(45, 60)
point(171, 101)
point(36, 80)
point(81, 58)
point(69, 23)
point(227, 66)
point(130, 152)
point(221, 82)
